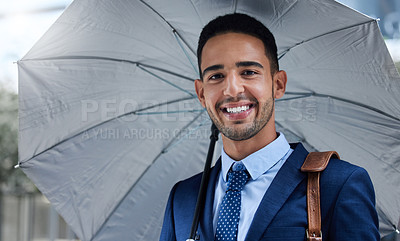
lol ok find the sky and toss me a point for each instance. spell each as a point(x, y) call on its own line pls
point(21, 26)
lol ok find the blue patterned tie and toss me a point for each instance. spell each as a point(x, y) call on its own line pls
point(229, 212)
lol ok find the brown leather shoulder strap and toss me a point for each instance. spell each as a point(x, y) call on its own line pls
point(317, 161)
point(313, 165)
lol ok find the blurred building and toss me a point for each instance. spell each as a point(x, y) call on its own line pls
point(30, 217)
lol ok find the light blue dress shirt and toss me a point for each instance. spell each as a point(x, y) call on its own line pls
point(262, 166)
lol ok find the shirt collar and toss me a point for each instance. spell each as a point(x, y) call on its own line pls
point(260, 161)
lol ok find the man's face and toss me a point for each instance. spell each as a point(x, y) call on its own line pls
point(237, 87)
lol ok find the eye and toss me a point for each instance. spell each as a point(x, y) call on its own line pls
point(215, 76)
point(249, 72)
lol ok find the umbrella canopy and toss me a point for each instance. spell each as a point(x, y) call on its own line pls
point(109, 118)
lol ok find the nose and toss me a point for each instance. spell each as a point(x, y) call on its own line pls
point(233, 85)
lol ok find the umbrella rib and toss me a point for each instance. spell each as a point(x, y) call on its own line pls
point(283, 53)
point(235, 3)
point(305, 95)
point(154, 106)
point(99, 124)
point(300, 95)
point(142, 175)
point(170, 25)
point(173, 144)
point(185, 52)
point(166, 81)
point(163, 70)
point(69, 57)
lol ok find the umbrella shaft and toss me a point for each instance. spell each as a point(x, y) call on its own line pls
point(204, 183)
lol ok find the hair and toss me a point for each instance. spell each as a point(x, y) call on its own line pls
point(239, 23)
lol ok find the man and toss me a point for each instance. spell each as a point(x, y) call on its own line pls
point(259, 171)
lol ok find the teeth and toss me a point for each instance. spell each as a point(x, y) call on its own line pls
point(238, 109)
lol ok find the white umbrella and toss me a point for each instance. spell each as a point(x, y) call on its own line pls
point(109, 119)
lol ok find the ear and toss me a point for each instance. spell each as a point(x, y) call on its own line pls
point(198, 85)
point(280, 80)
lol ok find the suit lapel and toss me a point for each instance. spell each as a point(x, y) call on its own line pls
point(206, 222)
point(284, 183)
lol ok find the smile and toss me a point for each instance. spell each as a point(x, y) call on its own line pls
point(238, 109)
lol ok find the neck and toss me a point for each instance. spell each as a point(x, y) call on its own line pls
point(238, 150)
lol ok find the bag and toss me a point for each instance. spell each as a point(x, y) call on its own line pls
point(314, 164)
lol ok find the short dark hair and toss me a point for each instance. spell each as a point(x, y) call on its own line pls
point(240, 23)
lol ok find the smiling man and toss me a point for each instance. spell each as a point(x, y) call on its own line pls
point(256, 190)
point(238, 88)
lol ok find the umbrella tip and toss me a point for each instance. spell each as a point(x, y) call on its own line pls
point(16, 166)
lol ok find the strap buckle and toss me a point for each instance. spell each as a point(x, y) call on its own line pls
point(314, 237)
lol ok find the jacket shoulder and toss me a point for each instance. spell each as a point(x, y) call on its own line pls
point(188, 188)
point(342, 170)
point(346, 189)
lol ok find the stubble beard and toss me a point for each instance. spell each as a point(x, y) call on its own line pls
point(247, 132)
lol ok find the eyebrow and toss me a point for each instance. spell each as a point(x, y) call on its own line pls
point(238, 64)
point(249, 64)
point(213, 67)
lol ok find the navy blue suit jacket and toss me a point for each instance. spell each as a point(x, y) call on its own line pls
point(347, 205)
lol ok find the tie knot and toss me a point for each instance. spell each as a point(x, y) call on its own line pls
point(238, 167)
point(237, 177)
